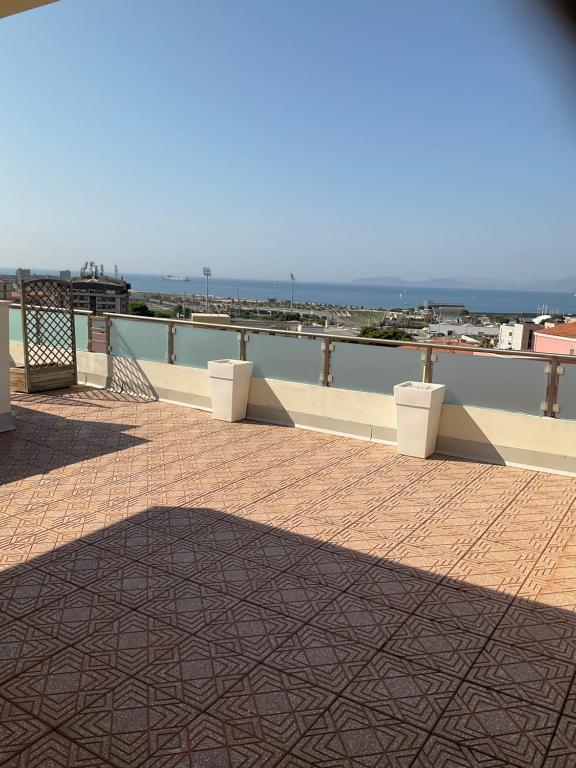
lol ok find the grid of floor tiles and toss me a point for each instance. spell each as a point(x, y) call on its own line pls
point(179, 592)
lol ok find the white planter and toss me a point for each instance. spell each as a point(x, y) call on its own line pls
point(418, 408)
point(229, 383)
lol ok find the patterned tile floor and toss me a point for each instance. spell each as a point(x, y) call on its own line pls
point(179, 592)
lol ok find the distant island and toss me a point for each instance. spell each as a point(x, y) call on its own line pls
point(562, 285)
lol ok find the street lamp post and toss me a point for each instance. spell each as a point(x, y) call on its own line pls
point(292, 278)
point(207, 272)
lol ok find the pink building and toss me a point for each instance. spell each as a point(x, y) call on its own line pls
point(560, 340)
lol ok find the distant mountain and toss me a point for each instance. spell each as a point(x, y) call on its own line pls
point(560, 285)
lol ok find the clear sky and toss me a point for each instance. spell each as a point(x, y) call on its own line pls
point(333, 138)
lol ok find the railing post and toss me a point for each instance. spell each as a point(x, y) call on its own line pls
point(550, 407)
point(428, 359)
point(107, 330)
point(327, 349)
point(170, 350)
point(243, 339)
point(90, 333)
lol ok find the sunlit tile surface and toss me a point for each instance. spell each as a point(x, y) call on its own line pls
point(177, 591)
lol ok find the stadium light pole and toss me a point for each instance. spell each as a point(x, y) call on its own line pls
point(292, 278)
point(207, 272)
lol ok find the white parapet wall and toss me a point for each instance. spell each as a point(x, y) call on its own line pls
point(6, 421)
point(482, 434)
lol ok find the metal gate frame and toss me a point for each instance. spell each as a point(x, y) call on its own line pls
point(47, 308)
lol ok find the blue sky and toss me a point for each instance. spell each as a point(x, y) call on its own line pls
point(332, 138)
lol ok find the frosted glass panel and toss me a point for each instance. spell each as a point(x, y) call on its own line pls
point(15, 323)
point(567, 392)
point(139, 339)
point(374, 368)
point(286, 358)
point(195, 346)
point(503, 383)
point(81, 329)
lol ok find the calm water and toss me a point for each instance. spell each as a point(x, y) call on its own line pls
point(476, 300)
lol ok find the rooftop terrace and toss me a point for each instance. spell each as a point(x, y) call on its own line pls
point(177, 591)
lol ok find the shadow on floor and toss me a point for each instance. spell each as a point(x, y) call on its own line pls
point(192, 637)
point(43, 441)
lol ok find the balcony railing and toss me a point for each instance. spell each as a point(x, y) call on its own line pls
point(520, 382)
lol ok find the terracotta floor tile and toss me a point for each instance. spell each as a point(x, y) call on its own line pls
point(349, 735)
point(322, 658)
point(235, 576)
point(82, 565)
point(76, 615)
point(332, 566)
point(129, 724)
point(135, 584)
point(197, 672)
point(540, 629)
point(498, 725)
point(436, 644)
point(29, 589)
point(466, 608)
point(403, 690)
point(207, 741)
point(22, 646)
point(562, 751)
point(55, 751)
point(127, 540)
point(246, 575)
point(301, 598)
point(132, 641)
point(184, 558)
point(275, 706)
point(525, 675)
point(276, 551)
point(439, 753)
point(61, 686)
point(396, 587)
point(251, 630)
point(188, 606)
point(360, 620)
point(228, 536)
point(18, 729)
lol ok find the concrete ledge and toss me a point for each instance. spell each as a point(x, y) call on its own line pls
point(508, 455)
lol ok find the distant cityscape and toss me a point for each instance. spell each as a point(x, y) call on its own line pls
point(452, 325)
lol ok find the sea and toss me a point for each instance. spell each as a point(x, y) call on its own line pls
point(357, 295)
point(364, 296)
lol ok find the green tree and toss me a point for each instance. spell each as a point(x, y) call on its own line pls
point(394, 334)
point(140, 308)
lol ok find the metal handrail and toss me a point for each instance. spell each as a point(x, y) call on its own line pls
point(419, 345)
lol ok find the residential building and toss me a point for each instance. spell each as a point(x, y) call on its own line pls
point(561, 339)
point(463, 329)
point(99, 293)
point(517, 336)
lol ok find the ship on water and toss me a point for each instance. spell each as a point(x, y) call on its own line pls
point(176, 279)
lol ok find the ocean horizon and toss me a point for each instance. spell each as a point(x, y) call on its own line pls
point(359, 295)
point(355, 295)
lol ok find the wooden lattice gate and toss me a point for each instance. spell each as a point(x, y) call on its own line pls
point(48, 334)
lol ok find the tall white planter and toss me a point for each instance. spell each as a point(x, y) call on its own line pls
point(229, 384)
point(418, 408)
